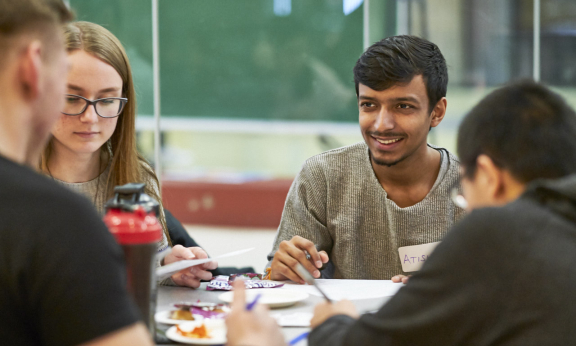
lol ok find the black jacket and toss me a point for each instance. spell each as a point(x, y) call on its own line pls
point(179, 236)
point(502, 276)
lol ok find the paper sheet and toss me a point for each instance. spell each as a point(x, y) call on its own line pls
point(349, 289)
point(169, 269)
point(295, 319)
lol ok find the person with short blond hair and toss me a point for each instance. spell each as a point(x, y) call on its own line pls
point(63, 279)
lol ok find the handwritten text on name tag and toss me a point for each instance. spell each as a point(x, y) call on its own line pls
point(413, 257)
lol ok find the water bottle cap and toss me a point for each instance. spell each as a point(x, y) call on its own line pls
point(138, 227)
point(131, 196)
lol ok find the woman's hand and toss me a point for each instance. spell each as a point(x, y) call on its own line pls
point(254, 328)
point(190, 276)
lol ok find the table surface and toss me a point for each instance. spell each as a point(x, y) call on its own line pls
point(168, 296)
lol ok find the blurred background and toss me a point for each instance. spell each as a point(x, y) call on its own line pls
point(249, 89)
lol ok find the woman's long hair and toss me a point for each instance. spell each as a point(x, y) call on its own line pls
point(127, 164)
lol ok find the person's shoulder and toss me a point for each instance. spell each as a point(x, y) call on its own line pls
point(335, 164)
point(451, 156)
point(350, 153)
point(28, 184)
point(501, 223)
point(145, 166)
point(26, 192)
point(148, 175)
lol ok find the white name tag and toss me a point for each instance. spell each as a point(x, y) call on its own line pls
point(413, 257)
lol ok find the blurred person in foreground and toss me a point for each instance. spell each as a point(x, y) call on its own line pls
point(62, 277)
point(351, 208)
point(505, 274)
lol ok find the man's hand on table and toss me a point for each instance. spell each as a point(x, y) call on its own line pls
point(190, 276)
point(255, 327)
point(325, 310)
point(292, 252)
point(401, 278)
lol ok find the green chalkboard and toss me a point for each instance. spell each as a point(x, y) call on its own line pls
point(247, 59)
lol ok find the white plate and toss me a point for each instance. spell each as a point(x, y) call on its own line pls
point(216, 328)
point(273, 297)
point(164, 317)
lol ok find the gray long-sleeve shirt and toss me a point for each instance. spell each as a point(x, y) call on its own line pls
point(337, 202)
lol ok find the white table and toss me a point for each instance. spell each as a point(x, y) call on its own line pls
point(168, 296)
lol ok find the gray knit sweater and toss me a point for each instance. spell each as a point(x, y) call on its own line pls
point(337, 202)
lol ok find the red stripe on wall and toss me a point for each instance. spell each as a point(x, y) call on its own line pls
point(253, 204)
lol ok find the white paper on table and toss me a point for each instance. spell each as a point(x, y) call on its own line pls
point(169, 269)
point(337, 289)
point(295, 319)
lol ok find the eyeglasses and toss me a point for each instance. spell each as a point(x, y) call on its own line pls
point(456, 196)
point(109, 107)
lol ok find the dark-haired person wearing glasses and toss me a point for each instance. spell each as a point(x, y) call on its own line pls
point(505, 274)
point(62, 274)
point(351, 208)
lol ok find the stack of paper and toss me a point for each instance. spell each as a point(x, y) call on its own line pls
point(349, 289)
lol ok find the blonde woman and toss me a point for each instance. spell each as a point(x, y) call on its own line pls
point(93, 145)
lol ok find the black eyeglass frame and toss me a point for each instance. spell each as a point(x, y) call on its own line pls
point(123, 102)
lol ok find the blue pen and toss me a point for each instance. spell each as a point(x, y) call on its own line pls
point(251, 305)
point(298, 338)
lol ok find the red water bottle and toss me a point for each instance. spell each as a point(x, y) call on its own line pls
point(131, 216)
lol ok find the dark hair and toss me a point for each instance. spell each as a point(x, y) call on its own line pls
point(397, 59)
point(524, 128)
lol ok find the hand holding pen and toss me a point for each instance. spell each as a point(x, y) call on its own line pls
point(297, 250)
point(310, 281)
point(251, 324)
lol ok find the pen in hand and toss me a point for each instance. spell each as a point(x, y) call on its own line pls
point(318, 264)
point(250, 306)
point(304, 274)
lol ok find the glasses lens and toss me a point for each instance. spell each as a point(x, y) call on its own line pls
point(73, 105)
point(109, 108)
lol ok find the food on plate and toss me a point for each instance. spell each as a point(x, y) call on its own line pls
point(182, 314)
point(199, 332)
point(206, 310)
point(224, 282)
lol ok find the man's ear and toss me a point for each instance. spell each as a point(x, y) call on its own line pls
point(493, 177)
point(438, 112)
point(30, 70)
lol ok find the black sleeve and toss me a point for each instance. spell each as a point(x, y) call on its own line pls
point(332, 331)
point(177, 232)
point(179, 235)
point(449, 301)
point(75, 287)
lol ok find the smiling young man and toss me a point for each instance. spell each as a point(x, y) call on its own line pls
point(505, 274)
point(351, 208)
